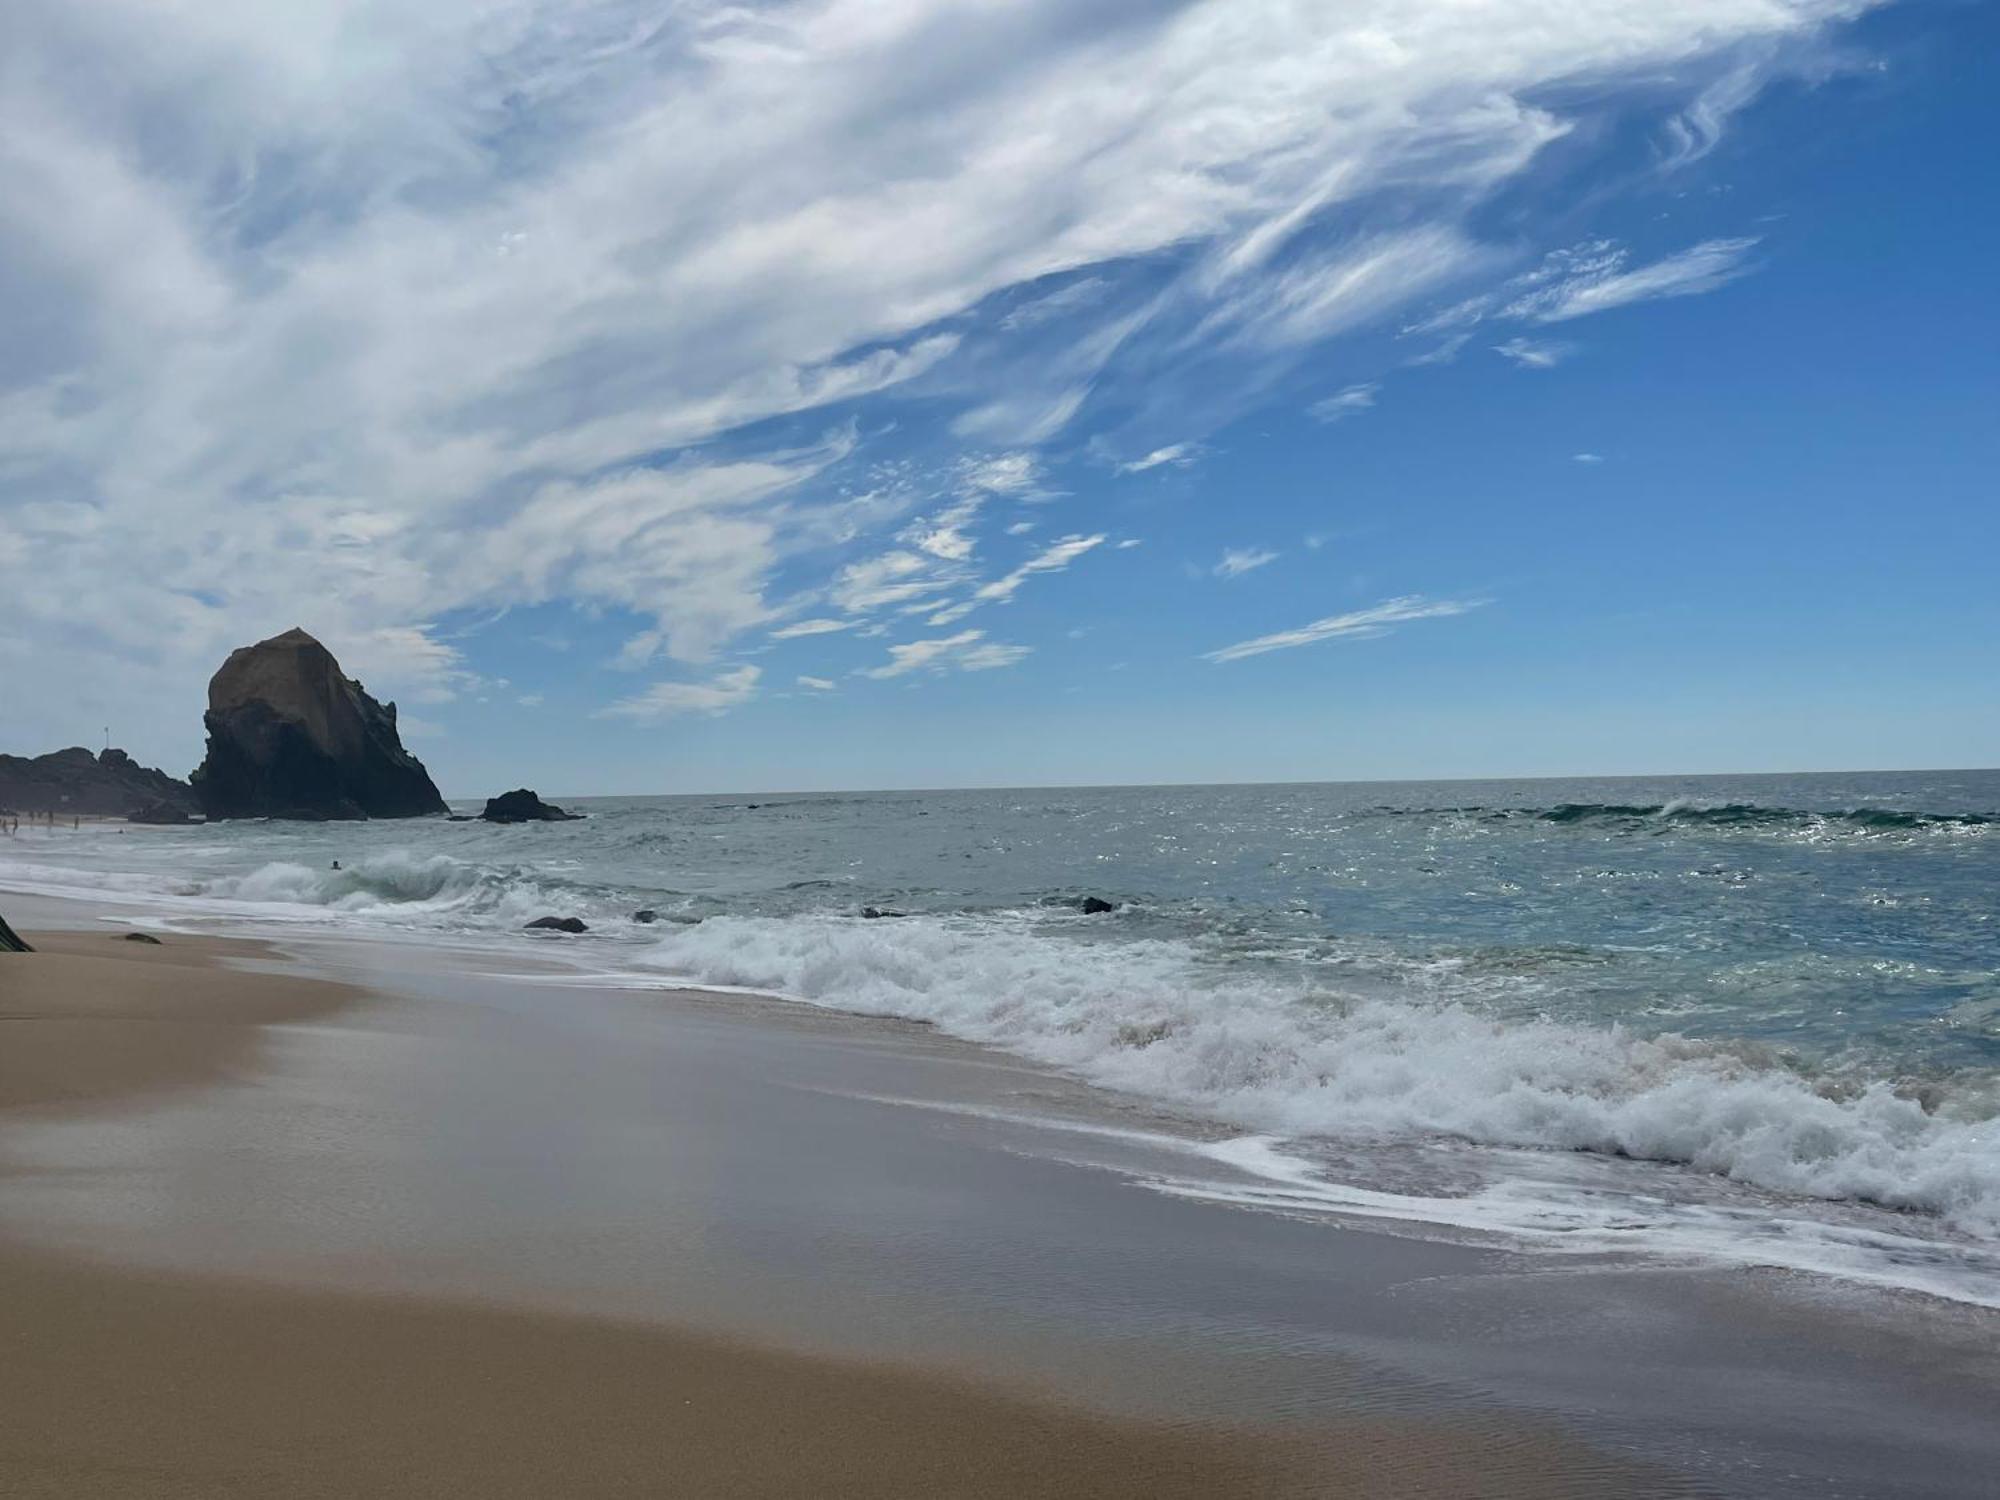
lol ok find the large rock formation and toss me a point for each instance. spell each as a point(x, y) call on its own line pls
point(108, 785)
point(290, 737)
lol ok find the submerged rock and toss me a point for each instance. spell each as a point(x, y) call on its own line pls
point(874, 912)
point(160, 812)
point(523, 806)
point(1090, 906)
point(142, 937)
point(289, 736)
point(646, 915)
point(558, 924)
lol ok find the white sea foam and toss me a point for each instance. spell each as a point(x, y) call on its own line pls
point(1144, 1017)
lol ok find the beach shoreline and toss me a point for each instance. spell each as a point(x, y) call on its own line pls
point(385, 1126)
point(133, 1380)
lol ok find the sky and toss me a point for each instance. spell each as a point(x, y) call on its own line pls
point(691, 396)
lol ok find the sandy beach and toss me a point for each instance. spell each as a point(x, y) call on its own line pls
point(344, 1217)
point(136, 1381)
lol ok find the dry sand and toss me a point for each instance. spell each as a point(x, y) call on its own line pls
point(131, 1383)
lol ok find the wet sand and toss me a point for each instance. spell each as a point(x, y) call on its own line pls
point(128, 1380)
point(96, 1017)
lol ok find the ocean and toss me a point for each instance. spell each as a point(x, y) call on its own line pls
point(1753, 1019)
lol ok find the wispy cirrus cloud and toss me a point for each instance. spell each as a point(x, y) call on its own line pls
point(1578, 281)
point(1360, 624)
point(664, 700)
point(1180, 455)
point(820, 626)
point(1236, 561)
point(1535, 354)
point(1053, 558)
point(1351, 402)
point(968, 651)
point(1599, 277)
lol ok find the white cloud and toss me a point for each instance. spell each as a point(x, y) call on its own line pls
point(809, 627)
point(1236, 561)
point(409, 310)
point(1696, 130)
point(1587, 458)
point(1359, 624)
point(817, 684)
point(1180, 455)
point(1343, 287)
point(664, 700)
point(1443, 353)
point(944, 535)
point(1344, 404)
point(1129, 543)
point(1051, 559)
point(892, 578)
point(1595, 279)
point(1015, 475)
point(968, 651)
point(530, 700)
point(1535, 354)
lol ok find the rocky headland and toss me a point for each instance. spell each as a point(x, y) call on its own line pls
point(77, 783)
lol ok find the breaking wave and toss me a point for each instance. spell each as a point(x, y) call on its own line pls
point(1142, 1017)
point(1749, 814)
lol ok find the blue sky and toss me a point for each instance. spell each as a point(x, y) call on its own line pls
point(927, 393)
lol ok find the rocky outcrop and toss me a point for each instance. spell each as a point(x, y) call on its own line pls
point(290, 737)
point(74, 782)
point(558, 924)
point(10, 940)
point(523, 806)
point(160, 812)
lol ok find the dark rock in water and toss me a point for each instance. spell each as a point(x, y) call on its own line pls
point(76, 783)
point(461, 818)
point(160, 812)
point(558, 924)
point(10, 940)
point(1090, 906)
point(290, 737)
point(142, 937)
point(523, 806)
point(646, 915)
point(872, 912)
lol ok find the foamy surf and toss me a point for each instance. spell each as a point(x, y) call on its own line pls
point(1142, 1018)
